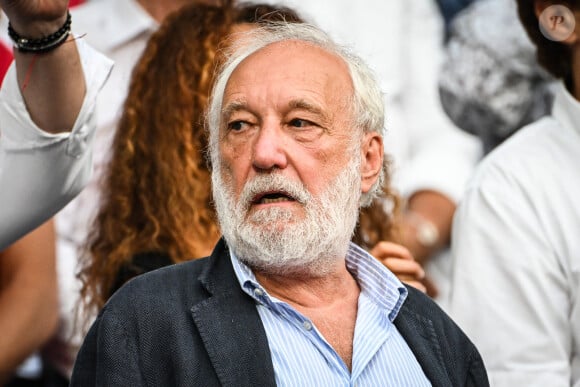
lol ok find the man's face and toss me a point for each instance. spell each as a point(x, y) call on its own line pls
point(286, 111)
point(289, 157)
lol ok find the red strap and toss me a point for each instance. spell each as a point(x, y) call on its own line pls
point(5, 60)
point(6, 54)
point(74, 3)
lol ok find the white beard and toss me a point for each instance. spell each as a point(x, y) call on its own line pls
point(275, 240)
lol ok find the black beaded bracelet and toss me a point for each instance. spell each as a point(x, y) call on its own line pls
point(42, 45)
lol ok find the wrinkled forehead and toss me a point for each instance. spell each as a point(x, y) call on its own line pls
point(291, 66)
point(307, 56)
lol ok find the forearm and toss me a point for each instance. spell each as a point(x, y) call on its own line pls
point(432, 210)
point(28, 297)
point(52, 83)
point(44, 171)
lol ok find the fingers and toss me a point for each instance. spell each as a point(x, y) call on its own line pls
point(400, 261)
point(404, 267)
point(386, 249)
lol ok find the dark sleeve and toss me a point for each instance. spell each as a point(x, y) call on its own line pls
point(108, 356)
point(445, 353)
point(476, 374)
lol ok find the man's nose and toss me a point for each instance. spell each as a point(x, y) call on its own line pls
point(269, 147)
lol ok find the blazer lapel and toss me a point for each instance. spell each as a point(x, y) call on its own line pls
point(419, 333)
point(231, 328)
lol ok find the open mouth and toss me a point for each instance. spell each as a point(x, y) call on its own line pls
point(272, 197)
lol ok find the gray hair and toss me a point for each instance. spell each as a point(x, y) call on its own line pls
point(367, 101)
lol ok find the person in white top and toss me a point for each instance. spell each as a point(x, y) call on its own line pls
point(516, 245)
point(120, 29)
point(46, 129)
point(46, 121)
point(432, 159)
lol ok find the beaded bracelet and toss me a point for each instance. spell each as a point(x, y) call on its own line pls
point(42, 45)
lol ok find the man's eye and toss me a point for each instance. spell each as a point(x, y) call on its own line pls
point(236, 125)
point(300, 123)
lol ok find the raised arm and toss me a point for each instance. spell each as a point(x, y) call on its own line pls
point(47, 121)
point(52, 82)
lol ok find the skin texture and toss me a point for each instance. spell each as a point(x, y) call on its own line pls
point(280, 117)
point(399, 260)
point(300, 130)
point(436, 208)
point(28, 297)
point(52, 84)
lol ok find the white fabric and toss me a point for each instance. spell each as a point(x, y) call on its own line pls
point(4, 37)
point(120, 29)
point(516, 251)
point(402, 42)
point(39, 171)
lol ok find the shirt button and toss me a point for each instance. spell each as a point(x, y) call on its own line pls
point(258, 292)
point(307, 325)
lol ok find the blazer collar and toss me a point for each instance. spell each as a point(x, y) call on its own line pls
point(241, 356)
point(419, 332)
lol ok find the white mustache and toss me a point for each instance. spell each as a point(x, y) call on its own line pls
point(273, 183)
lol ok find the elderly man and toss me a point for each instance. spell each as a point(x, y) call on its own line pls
point(285, 299)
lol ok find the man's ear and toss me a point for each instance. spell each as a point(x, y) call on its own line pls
point(372, 159)
point(557, 21)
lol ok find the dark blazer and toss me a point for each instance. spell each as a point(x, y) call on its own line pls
point(191, 324)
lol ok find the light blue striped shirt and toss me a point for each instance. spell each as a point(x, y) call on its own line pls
point(302, 357)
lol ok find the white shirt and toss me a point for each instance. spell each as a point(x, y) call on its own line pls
point(301, 356)
point(120, 29)
point(39, 171)
point(402, 41)
point(516, 250)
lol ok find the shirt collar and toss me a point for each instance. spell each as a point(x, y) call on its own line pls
point(566, 109)
point(379, 284)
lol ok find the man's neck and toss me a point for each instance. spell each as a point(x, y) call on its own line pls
point(307, 291)
point(330, 302)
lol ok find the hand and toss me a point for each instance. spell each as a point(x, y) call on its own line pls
point(35, 18)
point(400, 261)
point(436, 209)
point(408, 237)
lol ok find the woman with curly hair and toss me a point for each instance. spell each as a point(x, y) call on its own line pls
point(156, 204)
